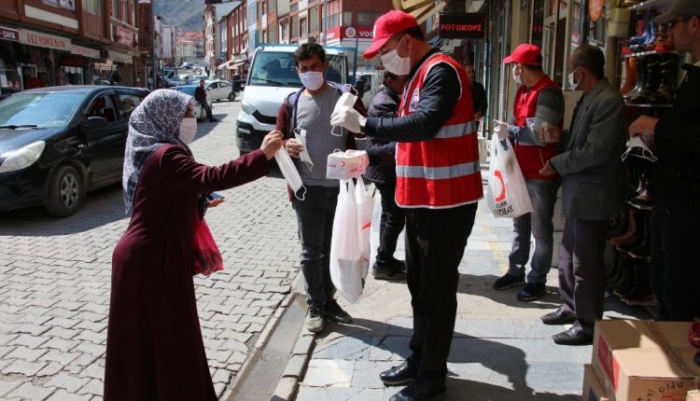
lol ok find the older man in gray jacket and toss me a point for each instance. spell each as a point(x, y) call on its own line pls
point(593, 185)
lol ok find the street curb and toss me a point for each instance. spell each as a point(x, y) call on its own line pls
point(259, 345)
point(288, 385)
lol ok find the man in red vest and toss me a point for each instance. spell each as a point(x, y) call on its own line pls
point(538, 103)
point(438, 183)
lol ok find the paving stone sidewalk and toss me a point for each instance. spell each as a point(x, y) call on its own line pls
point(55, 281)
point(501, 350)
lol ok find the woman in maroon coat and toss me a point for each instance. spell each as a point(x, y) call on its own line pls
point(154, 343)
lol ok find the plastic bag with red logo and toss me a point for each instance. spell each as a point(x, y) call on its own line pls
point(506, 192)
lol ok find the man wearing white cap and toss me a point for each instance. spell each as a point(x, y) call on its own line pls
point(438, 183)
point(675, 178)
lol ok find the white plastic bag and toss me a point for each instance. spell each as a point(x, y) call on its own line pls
point(506, 193)
point(290, 172)
point(365, 207)
point(346, 251)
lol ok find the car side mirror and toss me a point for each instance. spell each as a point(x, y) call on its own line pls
point(95, 122)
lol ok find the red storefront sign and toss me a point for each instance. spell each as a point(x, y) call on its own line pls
point(462, 26)
point(125, 36)
point(350, 32)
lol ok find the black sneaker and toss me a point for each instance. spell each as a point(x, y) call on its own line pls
point(507, 281)
point(531, 292)
point(388, 272)
point(333, 312)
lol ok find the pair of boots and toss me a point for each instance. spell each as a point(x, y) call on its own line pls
point(650, 79)
point(632, 281)
point(635, 240)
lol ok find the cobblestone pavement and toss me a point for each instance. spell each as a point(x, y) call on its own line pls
point(55, 281)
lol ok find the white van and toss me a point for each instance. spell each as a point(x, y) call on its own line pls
point(272, 76)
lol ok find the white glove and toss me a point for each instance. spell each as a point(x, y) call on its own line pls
point(348, 118)
point(500, 129)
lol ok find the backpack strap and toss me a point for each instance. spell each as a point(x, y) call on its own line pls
point(293, 99)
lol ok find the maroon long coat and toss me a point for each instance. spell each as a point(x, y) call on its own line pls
point(154, 342)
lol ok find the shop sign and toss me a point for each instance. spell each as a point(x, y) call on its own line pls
point(8, 34)
point(72, 62)
point(125, 36)
point(84, 51)
point(350, 32)
point(120, 57)
point(44, 40)
point(462, 26)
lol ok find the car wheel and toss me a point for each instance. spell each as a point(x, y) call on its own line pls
point(66, 192)
point(232, 97)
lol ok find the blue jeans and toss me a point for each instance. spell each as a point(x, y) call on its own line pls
point(315, 219)
point(543, 194)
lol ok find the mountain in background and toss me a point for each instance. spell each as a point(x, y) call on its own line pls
point(185, 15)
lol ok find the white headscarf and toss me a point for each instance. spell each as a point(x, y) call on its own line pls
point(153, 123)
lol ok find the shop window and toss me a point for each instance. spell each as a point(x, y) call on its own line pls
point(303, 29)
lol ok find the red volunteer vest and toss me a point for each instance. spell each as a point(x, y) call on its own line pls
point(530, 156)
point(442, 172)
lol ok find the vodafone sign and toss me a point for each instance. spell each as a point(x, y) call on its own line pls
point(361, 33)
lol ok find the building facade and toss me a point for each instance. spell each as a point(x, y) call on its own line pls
point(54, 42)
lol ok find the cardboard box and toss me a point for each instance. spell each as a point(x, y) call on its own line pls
point(592, 389)
point(644, 360)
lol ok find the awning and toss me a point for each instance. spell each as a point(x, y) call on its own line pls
point(85, 51)
point(120, 57)
point(226, 64)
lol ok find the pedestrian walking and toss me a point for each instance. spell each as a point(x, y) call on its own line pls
point(310, 109)
point(438, 182)
point(200, 95)
point(154, 342)
point(382, 172)
point(675, 177)
point(593, 190)
point(538, 103)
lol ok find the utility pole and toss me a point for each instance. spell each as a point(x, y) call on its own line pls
point(153, 45)
point(325, 21)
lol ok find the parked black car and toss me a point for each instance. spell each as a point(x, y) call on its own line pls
point(58, 143)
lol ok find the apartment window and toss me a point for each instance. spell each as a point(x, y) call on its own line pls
point(94, 7)
point(295, 27)
point(365, 19)
point(115, 8)
point(303, 28)
point(273, 34)
point(263, 5)
point(273, 6)
point(347, 18)
point(313, 19)
point(125, 11)
point(284, 31)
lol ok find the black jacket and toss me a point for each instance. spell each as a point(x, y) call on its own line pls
point(479, 98)
point(675, 182)
point(200, 94)
point(382, 168)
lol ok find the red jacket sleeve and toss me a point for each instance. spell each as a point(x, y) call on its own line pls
point(180, 171)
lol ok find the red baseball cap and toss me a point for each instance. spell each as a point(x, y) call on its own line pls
point(388, 25)
point(526, 54)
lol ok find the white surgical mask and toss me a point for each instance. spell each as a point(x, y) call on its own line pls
point(516, 76)
point(638, 148)
point(573, 84)
point(188, 129)
point(290, 173)
point(312, 80)
point(396, 64)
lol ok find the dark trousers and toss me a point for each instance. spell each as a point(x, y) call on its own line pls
point(391, 224)
point(207, 108)
point(435, 242)
point(582, 271)
point(674, 263)
point(315, 219)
